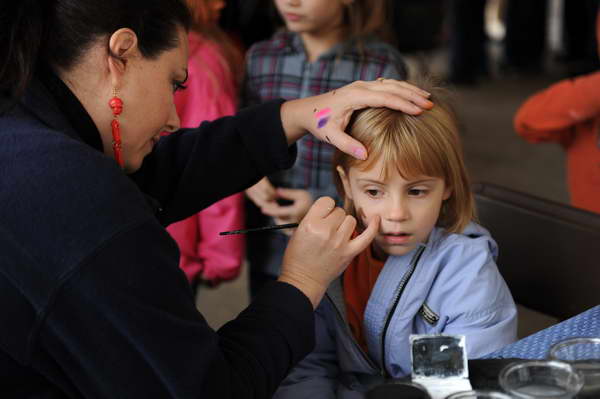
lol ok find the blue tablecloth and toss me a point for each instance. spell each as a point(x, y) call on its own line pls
point(536, 346)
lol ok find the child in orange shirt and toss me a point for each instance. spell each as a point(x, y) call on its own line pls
point(568, 113)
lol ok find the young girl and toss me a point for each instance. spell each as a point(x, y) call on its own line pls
point(430, 269)
point(328, 43)
point(213, 71)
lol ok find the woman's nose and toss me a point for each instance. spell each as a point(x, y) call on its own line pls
point(173, 123)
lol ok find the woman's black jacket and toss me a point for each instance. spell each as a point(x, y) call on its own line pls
point(92, 302)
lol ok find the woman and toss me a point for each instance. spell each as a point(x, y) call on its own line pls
point(94, 304)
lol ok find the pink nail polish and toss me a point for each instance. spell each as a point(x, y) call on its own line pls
point(360, 153)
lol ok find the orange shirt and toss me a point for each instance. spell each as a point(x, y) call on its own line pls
point(359, 279)
point(568, 112)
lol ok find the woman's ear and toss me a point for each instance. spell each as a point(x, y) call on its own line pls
point(123, 46)
point(345, 182)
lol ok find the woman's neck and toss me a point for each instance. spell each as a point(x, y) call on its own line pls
point(318, 43)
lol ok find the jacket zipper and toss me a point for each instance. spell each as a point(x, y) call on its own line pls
point(351, 336)
point(400, 290)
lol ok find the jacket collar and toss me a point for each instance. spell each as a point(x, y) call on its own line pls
point(49, 99)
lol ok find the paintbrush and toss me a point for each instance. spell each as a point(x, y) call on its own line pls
point(260, 229)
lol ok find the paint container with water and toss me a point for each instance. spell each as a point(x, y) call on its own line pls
point(584, 355)
point(439, 363)
point(540, 379)
point(479, 395)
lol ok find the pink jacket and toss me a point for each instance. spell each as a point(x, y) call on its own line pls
point(210, 94)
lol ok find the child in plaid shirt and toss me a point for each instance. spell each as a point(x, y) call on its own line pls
point(327, 44)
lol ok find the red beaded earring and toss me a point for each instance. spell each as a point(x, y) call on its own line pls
point(116, 104)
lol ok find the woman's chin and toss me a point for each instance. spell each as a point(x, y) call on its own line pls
point(131, 166)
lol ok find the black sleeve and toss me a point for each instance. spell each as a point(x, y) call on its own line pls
point(193, 168)
point(124, 325)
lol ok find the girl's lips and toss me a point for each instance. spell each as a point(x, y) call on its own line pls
point(292, 17)
point(396, 238)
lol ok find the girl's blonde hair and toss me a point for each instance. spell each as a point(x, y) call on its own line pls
point(423, 145)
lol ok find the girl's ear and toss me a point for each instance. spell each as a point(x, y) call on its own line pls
point(447, 193)
point(345, 182)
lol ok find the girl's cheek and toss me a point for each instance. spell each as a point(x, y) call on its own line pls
point(363, 217)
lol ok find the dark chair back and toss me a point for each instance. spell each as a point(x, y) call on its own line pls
point(549, 252)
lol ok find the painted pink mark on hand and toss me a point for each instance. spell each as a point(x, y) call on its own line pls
point(323, 112)
point(323, 117)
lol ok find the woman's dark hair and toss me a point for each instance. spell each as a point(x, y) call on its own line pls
point(57, 33)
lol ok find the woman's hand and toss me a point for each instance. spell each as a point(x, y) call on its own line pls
point(321, 248)
point(327, 115)
point(293, 213)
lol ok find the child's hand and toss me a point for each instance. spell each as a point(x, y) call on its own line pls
point(262, 193)
point(301, 202)
point(321, 248)
point(327, 115)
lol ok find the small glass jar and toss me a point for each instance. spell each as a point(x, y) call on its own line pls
point(477, 394)
point(584, 355)
point(540, 379)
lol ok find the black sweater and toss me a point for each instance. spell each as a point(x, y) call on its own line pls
point(93, 304)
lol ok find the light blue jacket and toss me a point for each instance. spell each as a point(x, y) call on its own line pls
point(449, 285)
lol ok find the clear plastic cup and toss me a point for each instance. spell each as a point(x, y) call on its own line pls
point(478, 395)
point(540, 379)
point(584, 355)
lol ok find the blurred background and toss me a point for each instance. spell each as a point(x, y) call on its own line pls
point(495, 54)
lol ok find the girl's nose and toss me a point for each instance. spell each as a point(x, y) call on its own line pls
point(398, 211)
point(294, 3)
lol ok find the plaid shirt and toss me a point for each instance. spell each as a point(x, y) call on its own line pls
point(278, 68)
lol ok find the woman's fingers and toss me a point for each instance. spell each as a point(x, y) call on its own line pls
point(395, 94)
point(321, 208)
point(330, 125)
point(347, 227)
point(326, 116)
point(364, 239)
point(347, 144)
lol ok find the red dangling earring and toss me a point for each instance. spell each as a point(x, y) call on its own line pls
point(116, 104)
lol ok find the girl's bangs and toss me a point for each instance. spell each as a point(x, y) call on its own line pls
point(406, 151)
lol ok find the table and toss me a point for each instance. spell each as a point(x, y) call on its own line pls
point(536, 346)
point(483, 373)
